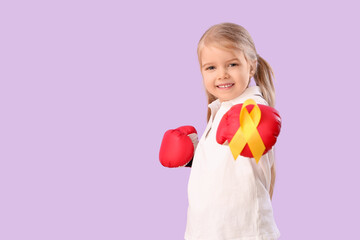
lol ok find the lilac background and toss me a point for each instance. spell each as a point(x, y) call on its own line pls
point(88, 88)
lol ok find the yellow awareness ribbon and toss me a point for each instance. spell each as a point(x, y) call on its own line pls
point(248, 133)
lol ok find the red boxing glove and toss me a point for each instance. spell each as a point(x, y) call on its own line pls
point(268, 127)
point(178, 147)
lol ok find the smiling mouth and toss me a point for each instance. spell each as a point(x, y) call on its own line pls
point(225, 86)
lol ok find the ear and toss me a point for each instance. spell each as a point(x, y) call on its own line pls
point(253, 68)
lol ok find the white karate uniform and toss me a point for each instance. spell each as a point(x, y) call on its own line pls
point(228, 199)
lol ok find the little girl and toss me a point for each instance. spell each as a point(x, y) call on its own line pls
point(228, 200)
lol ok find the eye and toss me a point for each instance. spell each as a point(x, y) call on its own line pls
point(233, 64)
point(210, 68)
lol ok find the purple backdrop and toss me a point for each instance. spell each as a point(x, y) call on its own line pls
point(88, 89)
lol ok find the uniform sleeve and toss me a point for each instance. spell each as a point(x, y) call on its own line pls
point(263, 168)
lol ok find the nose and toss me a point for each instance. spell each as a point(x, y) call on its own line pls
point(223, 74)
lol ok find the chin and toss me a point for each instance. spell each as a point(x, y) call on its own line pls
point(224, 99)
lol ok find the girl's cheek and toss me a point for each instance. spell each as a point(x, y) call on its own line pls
point(206, 75)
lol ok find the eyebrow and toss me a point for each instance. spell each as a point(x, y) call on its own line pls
point(226, 61)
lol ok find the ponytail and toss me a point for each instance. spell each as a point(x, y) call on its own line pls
point(272, 182)
point(263, 78)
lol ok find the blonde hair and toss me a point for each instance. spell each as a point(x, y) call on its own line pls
point(231, 36)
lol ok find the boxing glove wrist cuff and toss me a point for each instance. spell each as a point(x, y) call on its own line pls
point(194, 139)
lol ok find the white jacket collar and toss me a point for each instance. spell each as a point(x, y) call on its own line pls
point(250, 92)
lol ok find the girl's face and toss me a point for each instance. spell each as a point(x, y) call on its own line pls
point(226, 74)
